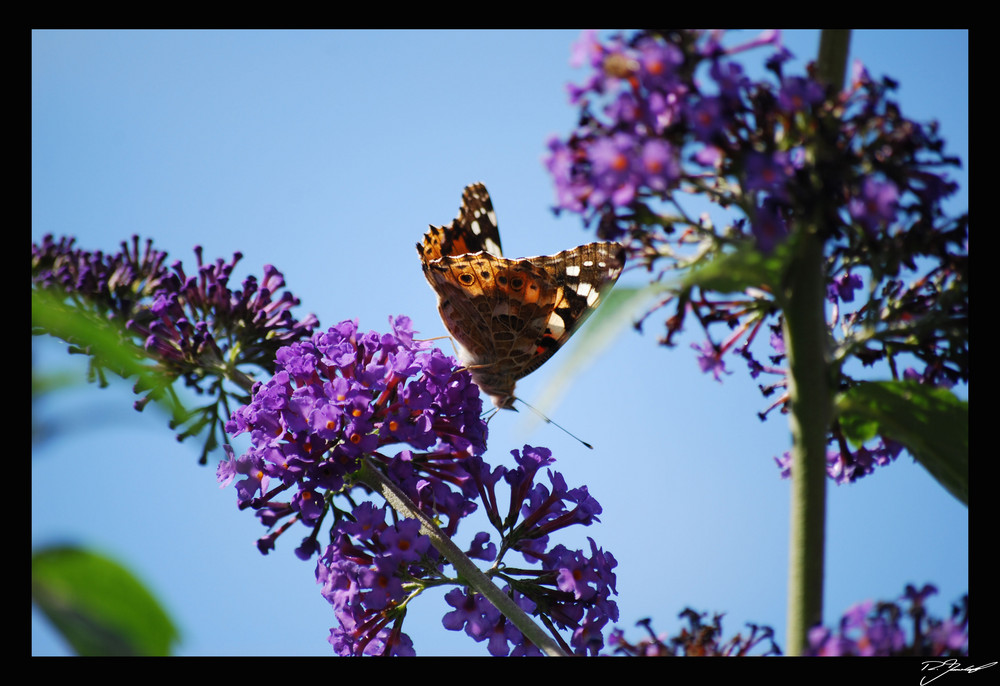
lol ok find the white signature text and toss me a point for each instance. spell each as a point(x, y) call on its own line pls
point(946, 667)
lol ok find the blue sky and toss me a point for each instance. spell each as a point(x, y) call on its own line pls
point(327, 154)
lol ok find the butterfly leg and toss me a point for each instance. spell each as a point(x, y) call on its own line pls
point(441, 338)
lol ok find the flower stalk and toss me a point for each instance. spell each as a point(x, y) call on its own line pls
point(466, 568)
point(811, 402)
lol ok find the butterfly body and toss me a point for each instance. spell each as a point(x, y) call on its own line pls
point(509, 316)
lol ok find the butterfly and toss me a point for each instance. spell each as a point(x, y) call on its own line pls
point(510, 316)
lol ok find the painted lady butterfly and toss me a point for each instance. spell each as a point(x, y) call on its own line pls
point(510, 316)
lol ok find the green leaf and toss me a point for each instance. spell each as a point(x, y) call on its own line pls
point(932, 423)
point(98, 605)
point(106, 342)
point(746, 267)
point(621, 307)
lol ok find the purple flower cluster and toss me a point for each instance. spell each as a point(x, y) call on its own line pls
point(111, 283)
point(343, 396)
point(180, 319)
point(372, 569)
point(572, 588)
point(846, 465)
point(649, 124)
point(870, 628)
point(653, 114)
point(197, 320)
point(366, 574)
point(663, 111)
point(195, 327)
point(336, 398)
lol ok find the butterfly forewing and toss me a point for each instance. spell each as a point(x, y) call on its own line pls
point(474, 229)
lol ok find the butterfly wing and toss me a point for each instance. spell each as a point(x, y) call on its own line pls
point(473, 230)
point(512, 315)
point(582, 276)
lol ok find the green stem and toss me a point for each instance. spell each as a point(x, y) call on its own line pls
point(467, 570)
point(811, 406)
point(809, 419)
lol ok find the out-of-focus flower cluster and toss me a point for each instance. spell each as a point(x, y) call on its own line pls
point(193, 327)
point(870, 628)
point(667, 115)
point(344, 397)
point(698, 639)
point(867, 629)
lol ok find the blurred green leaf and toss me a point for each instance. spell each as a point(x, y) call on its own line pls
point(98, 605)
point(621, 307)
point(932, 423)
point(107, 343)
point(746, 267)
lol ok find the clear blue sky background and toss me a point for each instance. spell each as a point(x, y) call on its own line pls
point(327, 154)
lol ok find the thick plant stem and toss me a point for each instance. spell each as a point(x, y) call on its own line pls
point(465, 567)
point(809, 419)
point(811, 406)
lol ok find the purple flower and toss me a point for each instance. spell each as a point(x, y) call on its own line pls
point(732, 80)
point(918, 596)
point(468, 613)
point(799, 93)
point(572, 189)
point(658, 164)
point(658, 63)
point(769, 173)
point(707, 118)
point(710, 359)
point(875, 205)
point(612, 172)
point(777, 341)
point(770, 37)
point(843, 287)
point(587, 50)
point(482, 548)
point(708, 156)
point(404, 543)
point(769, 227)
point(344, 395)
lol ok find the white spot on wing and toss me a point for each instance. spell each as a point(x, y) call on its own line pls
point(501, 308)
point(556, 325)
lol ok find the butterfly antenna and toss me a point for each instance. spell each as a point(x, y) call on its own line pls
point(549, 421)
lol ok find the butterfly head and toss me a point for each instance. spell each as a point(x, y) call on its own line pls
point(504, 401)
point(495, 383)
